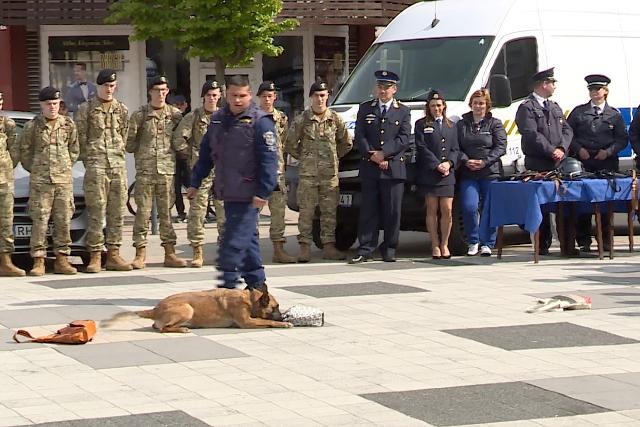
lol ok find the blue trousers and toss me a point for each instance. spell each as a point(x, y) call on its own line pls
point(239, 255)
point(472, 191)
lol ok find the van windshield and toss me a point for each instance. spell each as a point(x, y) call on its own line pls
point(448, 64)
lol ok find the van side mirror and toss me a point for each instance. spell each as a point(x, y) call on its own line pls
point(500, 90)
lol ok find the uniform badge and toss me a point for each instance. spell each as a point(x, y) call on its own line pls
point(428, 130)
point(246, 120)
point(270, 140)
point(611, 127)
point(397, 123)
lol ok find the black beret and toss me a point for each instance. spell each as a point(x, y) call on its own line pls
point(207, 86)
point(544, 75)
point(266, 87)
point(318, 87)
point(158, 80)
point(106, 76)
point(384, 76)
point(435, 94)
point(597, 80)
point(48, 94)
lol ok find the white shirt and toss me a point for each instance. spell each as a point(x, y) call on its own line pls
point(386, 104)
point(600, 106)
point(540, 99)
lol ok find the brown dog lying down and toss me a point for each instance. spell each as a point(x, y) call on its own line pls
point(218, 308)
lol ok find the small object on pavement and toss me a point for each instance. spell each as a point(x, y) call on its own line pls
point(303, 315)
point(561, 303)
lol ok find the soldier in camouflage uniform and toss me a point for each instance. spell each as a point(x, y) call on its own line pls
point(187, 137)
point(150, 141)
point(102, 124)
point(318, 138)
point(48, 150)
point(9, 156)
point(278, 199)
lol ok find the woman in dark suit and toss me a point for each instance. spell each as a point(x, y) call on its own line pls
point(483, 141)
point(437, 155)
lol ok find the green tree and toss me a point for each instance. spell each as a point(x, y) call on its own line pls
point(230, 32)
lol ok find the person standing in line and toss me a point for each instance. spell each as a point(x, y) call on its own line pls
point(546, 136)
point(241, 143)
point(437, 153)
point(278, 200)
point(188, 136)
point(48, 150)
point(599, 134)
point(102, 125)
point(182, 177)
point(150, 140)
point(318, 138)
point(9, 157)
point(383, 127)
point(483, 140)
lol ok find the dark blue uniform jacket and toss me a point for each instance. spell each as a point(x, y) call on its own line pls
point(432, 148)
point(486, 141)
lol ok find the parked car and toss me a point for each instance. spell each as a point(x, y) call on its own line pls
point(21, 219)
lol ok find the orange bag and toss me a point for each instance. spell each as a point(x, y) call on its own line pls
point(78, 332)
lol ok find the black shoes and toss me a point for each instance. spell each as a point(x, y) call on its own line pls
point(359, 259)
point(388, 258)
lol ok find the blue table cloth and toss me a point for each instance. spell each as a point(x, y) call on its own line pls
point(522, 203)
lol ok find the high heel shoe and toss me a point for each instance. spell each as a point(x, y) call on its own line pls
point(436, 256)
point(445, 256)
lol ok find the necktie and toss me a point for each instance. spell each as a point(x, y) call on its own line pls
point(596, 110)
point(383, 110)
point(546, 104)
point(439, 124)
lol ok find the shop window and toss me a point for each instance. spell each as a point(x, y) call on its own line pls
point(518, 60)
point(164, 59)
point(286, 71)
point(330, 63)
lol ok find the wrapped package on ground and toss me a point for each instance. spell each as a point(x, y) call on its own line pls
point(303, 315)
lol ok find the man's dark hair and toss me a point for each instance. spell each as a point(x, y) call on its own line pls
point(82, 65)
point(238, 80)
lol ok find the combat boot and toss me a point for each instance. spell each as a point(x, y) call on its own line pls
point(280, 255)
point(62, 266)
point(95, 264)
point(38, 267)
point(305, 253)
point(329, 251)
point(198, 257)
point(7, 268)
point(138, 262)
point(170, 257)
point(115, 261)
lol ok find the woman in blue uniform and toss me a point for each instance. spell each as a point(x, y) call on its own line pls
point(437, 156)
point(483, 141)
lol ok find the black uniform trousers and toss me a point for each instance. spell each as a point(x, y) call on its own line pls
point(180, 179)
point(381, 199)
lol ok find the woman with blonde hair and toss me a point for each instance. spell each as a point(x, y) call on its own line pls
point(483, 141)
point(436, 158)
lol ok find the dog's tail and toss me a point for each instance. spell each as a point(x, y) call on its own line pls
point(126, 315)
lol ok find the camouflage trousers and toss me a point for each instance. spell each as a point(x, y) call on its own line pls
point(312, 193)
point(277, 207)
point(6, 217)
point(47, 200)
point(147, 188)
point(105, 192)
point(198, 212)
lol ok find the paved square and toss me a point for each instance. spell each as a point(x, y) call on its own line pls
point(545, 335)
point(55, 315)
point(603, 298)
point(353, 289)
point(486, 403)
point(8, 344)
point(157, 419)
point(83, 282)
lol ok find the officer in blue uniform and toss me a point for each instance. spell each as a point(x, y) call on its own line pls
point(241, 143)
point(382, 134)
point(599, 134)
point(546, 136)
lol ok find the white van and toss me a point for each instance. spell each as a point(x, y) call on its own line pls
point(458, 46)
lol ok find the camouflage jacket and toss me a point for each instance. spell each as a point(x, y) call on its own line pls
point(48, 150)
point(101, 134)
point(188, 135)
point(150, 139)
point(318, 142)
point(9, 149)
point(282, 126)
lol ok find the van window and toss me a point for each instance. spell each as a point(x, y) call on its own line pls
point(518, 60)
point(448, 64)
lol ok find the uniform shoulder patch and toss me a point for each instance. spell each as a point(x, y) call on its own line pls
point(270, 140)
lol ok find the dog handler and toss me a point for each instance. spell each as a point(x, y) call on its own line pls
point(241, 143)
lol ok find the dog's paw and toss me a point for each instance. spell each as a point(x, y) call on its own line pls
point(288, 325)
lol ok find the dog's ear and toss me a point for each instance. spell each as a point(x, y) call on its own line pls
point(264, 298)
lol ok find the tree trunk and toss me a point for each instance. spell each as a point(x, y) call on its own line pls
point(220, 70)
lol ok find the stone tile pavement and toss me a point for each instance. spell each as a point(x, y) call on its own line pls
point(415, 343)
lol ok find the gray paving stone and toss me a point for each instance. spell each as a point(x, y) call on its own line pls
point(353, 289)
point(112, 355)
point(484, 403)
point(608, 391)
point(189, 349)
point(32, 317)
point(444, 262)
point(8, 344)
point(125, 302)
point(613, 280)
point(545, 335)
point(106, 280)
point(602, 298)
point(311, 269)
point(398, 265)
point(160, 419)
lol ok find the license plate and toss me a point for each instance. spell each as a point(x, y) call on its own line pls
point(22, 231)
point(345, 200)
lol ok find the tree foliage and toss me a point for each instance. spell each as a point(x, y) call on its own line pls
point(230, 32)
